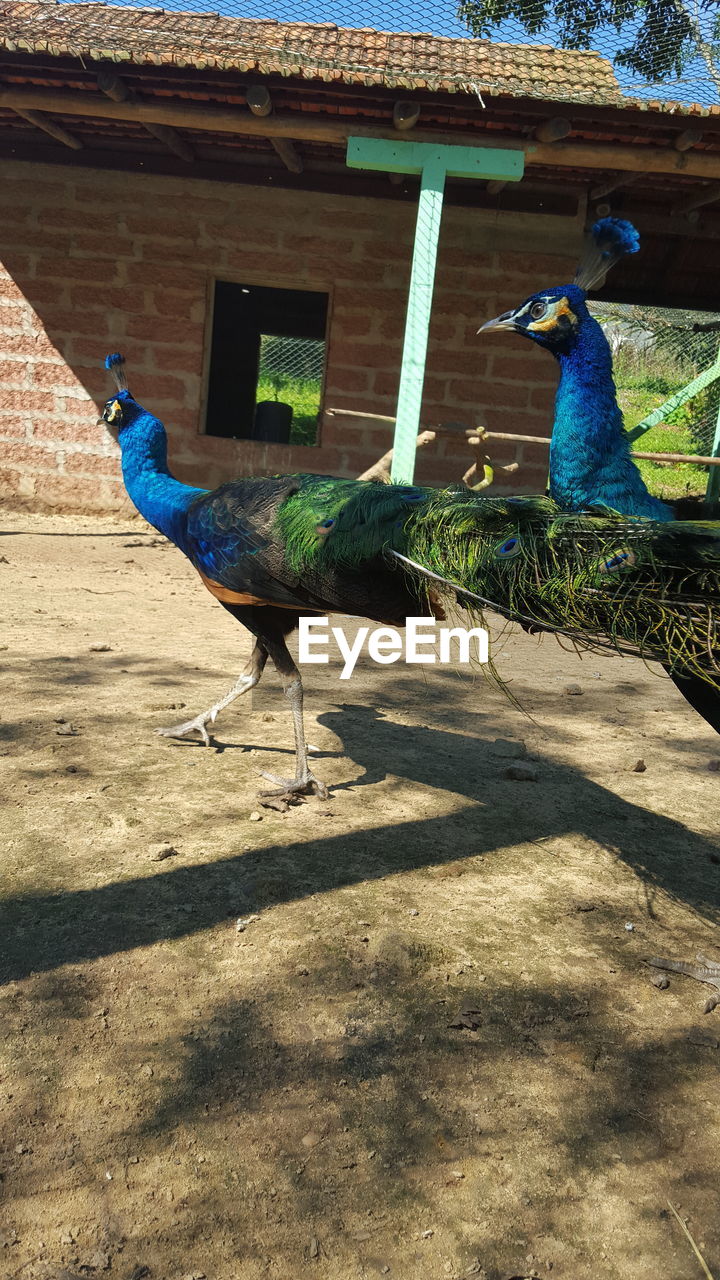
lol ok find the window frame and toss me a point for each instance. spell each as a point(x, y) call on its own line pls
point(254, 280)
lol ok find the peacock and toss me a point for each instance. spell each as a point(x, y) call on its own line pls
point(590, 461)
point(272, 550)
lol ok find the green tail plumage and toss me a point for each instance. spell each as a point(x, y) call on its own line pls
point(643, 587)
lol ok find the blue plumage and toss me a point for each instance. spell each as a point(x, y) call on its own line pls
point(615, 234)
point(590, 460)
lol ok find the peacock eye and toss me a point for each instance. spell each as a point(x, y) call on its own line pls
point(538, 309)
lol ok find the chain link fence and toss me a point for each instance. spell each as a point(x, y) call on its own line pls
point(657, 352)
point(667, 49)
point(291, 373)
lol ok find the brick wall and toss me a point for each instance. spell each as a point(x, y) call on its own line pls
point(95, 261)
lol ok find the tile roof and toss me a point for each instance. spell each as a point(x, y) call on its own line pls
point(154, 37)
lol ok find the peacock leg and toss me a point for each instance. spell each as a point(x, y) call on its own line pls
point(304, 781)
point(246, 682)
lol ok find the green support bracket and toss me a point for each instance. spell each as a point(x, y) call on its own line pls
point(434, 164)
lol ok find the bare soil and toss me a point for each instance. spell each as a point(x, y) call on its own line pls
point(181, 1099)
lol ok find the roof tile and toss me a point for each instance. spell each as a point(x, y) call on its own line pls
point(312, 50)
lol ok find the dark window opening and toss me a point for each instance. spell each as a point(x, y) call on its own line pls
point(267, 359)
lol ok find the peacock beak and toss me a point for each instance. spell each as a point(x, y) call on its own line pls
point(505, 321)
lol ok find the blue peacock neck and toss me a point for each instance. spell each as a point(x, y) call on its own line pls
point(158, 496)
point(590, 458)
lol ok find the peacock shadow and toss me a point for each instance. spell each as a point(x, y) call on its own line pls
point(561, 802)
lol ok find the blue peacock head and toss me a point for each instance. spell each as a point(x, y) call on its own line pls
point(553, 317)
point(113, 414)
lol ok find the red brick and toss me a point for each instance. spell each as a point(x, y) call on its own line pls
point(348, 380)
point(27, 344)
point(12, 370)
point(64, 323)
point(353, 324)
point(35, 191)
point(149, 386)
point(64, 267)
point(536, 455)
point(14, 424)
point(119, 248)
point(170, 359)
point(104, 223)
point(9, 481)
point(266, 266)
point(166, 277)
point(365, 354)
point(75, 492)
point(91, 464)
point(168, 227)
point(472, 364)
point(52, 376)
point(180, 306)
point(543, 398)
point(27, 455)
point(318, 248)
point(27, 401)
point(147, 329)
point(11, 316)
point(80, 430)
point(511, 366)
point(112, 298)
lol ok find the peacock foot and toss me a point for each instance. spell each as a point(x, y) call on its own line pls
point(293, 789)
point(191, 726)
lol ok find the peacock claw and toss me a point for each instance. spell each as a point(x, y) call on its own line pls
point(293, 789)
point(190, 726)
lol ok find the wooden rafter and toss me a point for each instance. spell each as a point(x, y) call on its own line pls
point(335, 131)
point(548, 131)
point(54, 130)
point(682, 142)
point(260, 103)
point(115, 88)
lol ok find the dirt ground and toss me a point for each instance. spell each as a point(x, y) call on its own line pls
point(183, 1099)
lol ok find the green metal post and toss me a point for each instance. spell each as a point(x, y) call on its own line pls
point(417, 324)
point(434, 164)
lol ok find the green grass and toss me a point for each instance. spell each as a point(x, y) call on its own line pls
point(304, 396)
point(639, 394)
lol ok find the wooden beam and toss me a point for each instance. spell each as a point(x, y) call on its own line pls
point(553, 130)
point(115, 88)
point(687, 139)
point(709, 195)
point(260, 103)
point(406, 115)
point(259, 100)
point(614, 184)
point(337, 130)
point(682, 142)
point(288, 154)
point(48, 126)
point(173, 140)
point(495, 187)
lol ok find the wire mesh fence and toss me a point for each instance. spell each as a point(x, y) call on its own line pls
point(291, 373)
point(657, 352)
point(667, 49)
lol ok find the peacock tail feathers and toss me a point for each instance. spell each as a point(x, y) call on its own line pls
point(649, 588)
